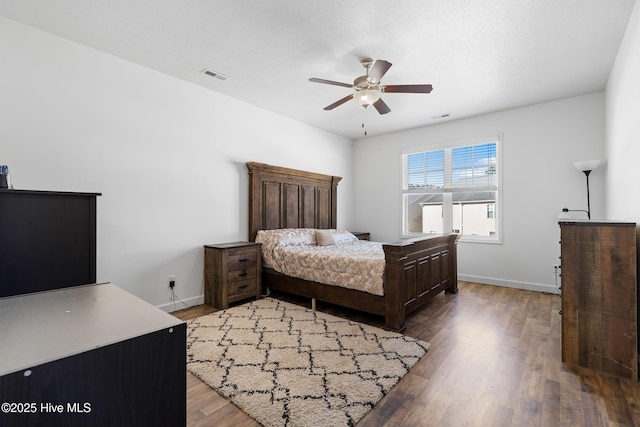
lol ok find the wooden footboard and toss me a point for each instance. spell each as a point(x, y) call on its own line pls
point(415, 272)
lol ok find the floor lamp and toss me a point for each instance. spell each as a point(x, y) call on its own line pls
point(586, 167)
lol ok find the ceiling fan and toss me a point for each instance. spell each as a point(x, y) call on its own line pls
point(368, 87)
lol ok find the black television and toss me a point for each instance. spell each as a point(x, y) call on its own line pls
point(47, 240)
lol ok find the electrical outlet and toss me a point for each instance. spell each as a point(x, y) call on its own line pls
point(172, 281)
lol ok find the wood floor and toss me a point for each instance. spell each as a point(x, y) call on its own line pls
point(494, 361)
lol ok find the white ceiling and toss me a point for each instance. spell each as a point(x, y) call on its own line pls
point(479, 55)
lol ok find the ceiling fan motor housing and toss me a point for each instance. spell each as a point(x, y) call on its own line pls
point(363, 82)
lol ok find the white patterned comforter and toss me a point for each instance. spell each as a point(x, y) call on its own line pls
point(350, 263)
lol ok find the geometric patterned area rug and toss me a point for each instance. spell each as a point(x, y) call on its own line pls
point(285, 365)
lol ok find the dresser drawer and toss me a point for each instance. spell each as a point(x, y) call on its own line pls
point(242, 274)
point(242, 258)
point(242, 287)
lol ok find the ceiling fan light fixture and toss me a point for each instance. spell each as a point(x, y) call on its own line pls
point(366, 97)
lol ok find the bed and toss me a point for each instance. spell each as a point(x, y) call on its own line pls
point(414, 270)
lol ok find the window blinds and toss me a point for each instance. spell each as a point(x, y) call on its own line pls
point(466, 168)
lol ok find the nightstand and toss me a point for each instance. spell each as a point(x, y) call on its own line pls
point(361, 235)
point(231, 273)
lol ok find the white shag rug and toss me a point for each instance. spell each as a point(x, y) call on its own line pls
point(285, 365)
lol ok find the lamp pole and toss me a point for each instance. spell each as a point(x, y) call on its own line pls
point(586, 167)
point(588, 199)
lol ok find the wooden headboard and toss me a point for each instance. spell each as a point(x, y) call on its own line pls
point(289, 198)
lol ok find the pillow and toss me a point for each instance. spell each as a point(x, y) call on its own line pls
point(287, 237)
point(343, 236)
point(325, 238)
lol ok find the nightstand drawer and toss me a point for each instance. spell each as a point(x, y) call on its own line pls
point(242, 287)
point(242, 274)
point(242, 259)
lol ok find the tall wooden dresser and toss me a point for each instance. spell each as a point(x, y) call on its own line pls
point(599, 296)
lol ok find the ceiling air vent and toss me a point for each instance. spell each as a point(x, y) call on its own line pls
point(215, 74)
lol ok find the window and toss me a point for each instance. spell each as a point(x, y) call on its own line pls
point(453, 188)
point(491, 210)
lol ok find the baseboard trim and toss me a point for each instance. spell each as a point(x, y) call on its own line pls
point(181, 304)
point(537, 287)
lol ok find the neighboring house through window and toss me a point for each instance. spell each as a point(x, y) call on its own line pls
point(453, 188)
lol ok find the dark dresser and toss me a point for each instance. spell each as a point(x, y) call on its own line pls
point(47, 240)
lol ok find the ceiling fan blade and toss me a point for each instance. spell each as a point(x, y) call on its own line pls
point(379, 68)
point(408, 88)
point(381, 106)
point(338, 103)
point(330, 82)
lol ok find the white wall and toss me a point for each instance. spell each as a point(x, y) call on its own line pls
point(623, 127)
point(168, 156)
point(540, 144)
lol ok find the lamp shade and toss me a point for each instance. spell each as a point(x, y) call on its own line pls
point(586, 165)
point(366, 97)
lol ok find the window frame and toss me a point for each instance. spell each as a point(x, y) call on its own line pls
point(498, 139)
point(491, 210)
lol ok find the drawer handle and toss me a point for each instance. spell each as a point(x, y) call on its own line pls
point(242, 274)
point(243, 260)
point(242, 287)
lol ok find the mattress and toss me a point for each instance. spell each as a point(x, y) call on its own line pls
point(345, 261)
